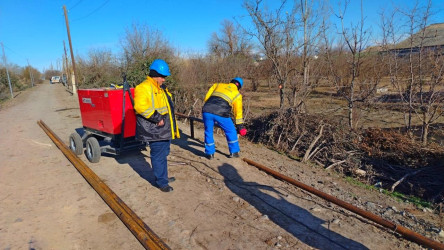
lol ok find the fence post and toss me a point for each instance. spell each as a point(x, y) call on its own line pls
point(192, 127)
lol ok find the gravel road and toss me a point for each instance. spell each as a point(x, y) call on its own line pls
point(216, 204)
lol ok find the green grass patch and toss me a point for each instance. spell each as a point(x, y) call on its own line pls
point(398, 196)
point(412, 199)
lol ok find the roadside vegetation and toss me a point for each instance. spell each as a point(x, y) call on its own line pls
point(365, 103)
point(15, 79)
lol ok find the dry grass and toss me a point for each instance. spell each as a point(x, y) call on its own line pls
point(377, 146)
point(323, 101)
point(385, 154)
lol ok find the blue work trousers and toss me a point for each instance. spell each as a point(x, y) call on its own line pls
point(159, 150)
point(230, 133)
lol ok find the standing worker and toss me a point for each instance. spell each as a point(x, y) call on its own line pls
point(223, 100)
point(156, 123)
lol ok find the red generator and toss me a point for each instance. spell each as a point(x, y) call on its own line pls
point(109, 123)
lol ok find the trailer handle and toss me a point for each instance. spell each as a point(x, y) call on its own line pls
point(126, 88)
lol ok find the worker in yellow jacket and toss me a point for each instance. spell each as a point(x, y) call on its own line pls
point(221, 101)
point(156, 124)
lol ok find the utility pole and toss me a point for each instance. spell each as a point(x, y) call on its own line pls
point(74, 88)
point(30, 74)
point(66, 62)
point(7, 72)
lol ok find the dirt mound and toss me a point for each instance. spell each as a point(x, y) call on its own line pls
point(374, 156)
point(395, 157)
point(294, 134)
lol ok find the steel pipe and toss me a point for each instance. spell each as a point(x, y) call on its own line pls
point(138, 228)
point(407, 233)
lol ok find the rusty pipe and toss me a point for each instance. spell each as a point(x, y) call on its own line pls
point(140, 230)
point(407, 233)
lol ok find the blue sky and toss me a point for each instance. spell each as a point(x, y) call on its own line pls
point(34, 30)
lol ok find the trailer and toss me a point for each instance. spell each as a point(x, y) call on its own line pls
point(109, 123)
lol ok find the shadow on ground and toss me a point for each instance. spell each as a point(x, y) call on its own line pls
point(295, 220)
point(139, 161)
point(193, 145)
point(136, 159)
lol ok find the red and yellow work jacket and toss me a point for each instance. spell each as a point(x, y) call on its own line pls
point(224, 99)
point(153, 103)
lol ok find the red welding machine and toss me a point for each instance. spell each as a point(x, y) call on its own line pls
point(101, 111)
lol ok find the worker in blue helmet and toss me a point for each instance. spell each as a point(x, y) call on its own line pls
point(155, 121)
point(222, 101)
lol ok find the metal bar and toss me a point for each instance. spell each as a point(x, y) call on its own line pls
point(140, 230)
point(192, 119)
point(180, 115)
point(122, 128)
point(407, 233)
point(192, 128)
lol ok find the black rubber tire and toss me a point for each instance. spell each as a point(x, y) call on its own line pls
point(76, 143)
point(93, 151)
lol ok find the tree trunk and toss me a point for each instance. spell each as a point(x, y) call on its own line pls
point(425, 132)
point(255, 84)
point(350, 114)
point(294, 94)
point(281, 97)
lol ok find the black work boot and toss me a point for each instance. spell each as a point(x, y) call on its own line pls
point(210, 157)
point(234, 155)
point(167, 188)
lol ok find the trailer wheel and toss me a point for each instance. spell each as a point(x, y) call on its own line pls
point(93, 151)
point(76, 143)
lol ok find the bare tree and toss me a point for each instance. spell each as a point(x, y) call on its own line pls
point(431, 97)
point(275, 31)
point(347, 68)
point(425, 70)
point(416, 66)
point(301, 79)
point(100, 69)
point(141, 46)
point(288, 37)
point(30, 73)
point(230, 41)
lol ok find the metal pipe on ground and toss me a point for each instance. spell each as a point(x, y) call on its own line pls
point(138, 228)
point(407, 233)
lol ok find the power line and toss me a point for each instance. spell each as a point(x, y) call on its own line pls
point(94, 11)
point(23, 57)
point(75, 5)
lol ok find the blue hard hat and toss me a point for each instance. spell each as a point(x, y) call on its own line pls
point(161, 67)
point(239, 80)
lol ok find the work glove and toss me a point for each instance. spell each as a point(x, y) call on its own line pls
point(243, 132)
point(241, 129)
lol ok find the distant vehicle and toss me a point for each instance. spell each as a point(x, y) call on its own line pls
point(55, 79)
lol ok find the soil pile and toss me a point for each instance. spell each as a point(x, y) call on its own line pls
point(385, 158)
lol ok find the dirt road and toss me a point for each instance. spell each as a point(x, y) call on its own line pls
point(220, 204)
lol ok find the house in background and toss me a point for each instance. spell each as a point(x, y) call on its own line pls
point(432, 39)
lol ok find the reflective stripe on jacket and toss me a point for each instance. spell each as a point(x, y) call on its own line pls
point(149, 101)
point(217, 98)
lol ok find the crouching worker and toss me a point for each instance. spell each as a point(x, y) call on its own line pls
point(221, 101)
point(156, 123)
